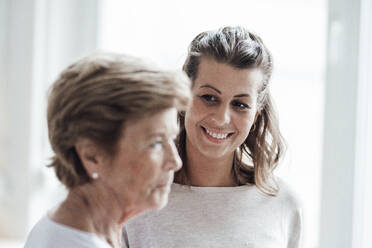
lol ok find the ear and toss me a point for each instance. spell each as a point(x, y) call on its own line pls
point(91, 156)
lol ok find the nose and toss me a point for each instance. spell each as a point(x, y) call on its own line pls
point(222, 115)
point(174, 161)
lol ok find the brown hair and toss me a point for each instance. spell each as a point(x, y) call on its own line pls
point(264, 145)
point(94, 98)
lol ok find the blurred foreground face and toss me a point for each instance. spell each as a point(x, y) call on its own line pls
point(145, 161)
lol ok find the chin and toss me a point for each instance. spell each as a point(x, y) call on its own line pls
point(159, 201)
point(214, 153)
point(161, 205)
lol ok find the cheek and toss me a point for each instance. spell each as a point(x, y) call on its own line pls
point(245, 124)
point(139, 172)
point(196, 112)
point(190, 119)
point(150, 168)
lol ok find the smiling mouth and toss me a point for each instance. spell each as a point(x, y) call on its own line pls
point(217, 136)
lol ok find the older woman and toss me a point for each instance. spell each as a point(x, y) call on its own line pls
point(112, 122)
point(226, 194)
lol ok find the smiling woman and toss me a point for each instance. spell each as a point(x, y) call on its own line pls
point(218, 199)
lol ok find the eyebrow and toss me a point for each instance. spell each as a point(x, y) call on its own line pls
point(219, 92)
point(242, 95)
point(161, 134)
point(211, 87)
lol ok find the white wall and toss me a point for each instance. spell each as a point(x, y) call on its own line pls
point(3, 27)
point(16, 112)
point(363, 189)
point(347, 175)
point(39, 39)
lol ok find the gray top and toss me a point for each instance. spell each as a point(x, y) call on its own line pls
point(219, 217)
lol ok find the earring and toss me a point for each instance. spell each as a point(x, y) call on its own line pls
point(95, 175)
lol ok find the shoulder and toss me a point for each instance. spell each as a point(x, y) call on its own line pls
point(292, 210)
point(287, 194)
point(47, 233)
point(291, 206)
point(38, 235)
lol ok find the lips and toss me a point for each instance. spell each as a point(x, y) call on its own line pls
point(216, 137)
point(164, 183)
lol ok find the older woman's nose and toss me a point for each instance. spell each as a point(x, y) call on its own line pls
point(174, 161)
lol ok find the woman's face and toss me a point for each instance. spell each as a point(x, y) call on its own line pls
point(223, 109)
point(146, 159)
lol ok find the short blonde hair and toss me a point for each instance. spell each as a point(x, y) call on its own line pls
point(94, 98)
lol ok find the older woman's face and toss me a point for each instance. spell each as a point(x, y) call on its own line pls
point(146, 159)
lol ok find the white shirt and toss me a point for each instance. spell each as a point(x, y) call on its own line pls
point(48, 233)
point(216, 217)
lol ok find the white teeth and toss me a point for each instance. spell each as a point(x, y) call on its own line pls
point(217, 135)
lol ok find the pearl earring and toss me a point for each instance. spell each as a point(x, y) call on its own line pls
point(95, 175)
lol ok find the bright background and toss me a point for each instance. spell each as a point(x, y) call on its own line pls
point(321, 86)
point(163, 34)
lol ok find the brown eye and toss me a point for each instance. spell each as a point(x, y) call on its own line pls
point(208, 98)
point(240, 105)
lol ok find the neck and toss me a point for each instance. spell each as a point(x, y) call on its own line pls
point(94, 209)
point(209, 172)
